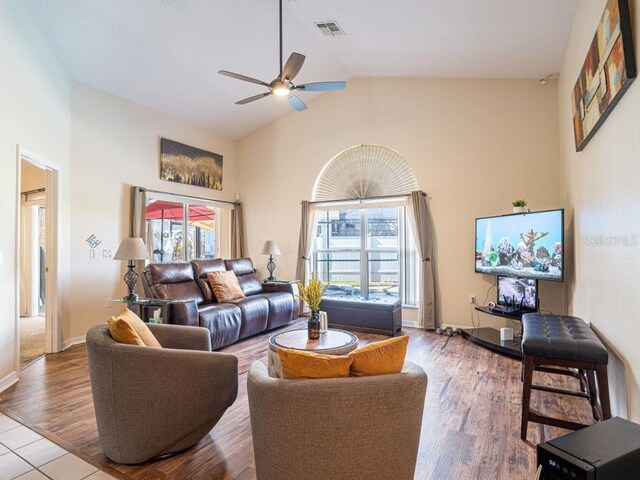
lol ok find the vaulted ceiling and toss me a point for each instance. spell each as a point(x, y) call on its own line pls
point(165, 54)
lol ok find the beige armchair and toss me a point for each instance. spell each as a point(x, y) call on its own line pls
point(346, 428)
point(150, 401)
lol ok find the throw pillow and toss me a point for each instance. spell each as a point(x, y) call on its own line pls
point(225, 286)
point(300, 364)
point(130, 329)
point(380, 358)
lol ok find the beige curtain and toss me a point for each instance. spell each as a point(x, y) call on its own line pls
point(237, 231)
point(138, 228)
point(307, 228)
point(422, 231)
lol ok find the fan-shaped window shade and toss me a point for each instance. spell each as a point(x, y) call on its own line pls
point(365, 171)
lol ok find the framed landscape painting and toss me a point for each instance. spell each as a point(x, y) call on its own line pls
point(193, 166)
point(606, 74)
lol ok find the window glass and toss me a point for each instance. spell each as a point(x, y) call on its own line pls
point(374, 261)
point(166, 232)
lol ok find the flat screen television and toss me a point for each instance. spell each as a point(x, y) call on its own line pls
point(519, 293)
point(525, 245)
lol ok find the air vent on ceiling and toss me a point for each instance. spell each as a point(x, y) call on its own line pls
point(330, 28)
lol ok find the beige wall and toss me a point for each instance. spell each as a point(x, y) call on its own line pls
point(474, 146)
point(601, 188)
point(114, 146)
point(35, 114)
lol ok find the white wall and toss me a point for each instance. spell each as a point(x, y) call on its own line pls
point(474, 144)
point(601, 187)
point(34, 113)
point(114, 146)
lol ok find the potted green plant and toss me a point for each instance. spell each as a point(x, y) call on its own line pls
point(311, 294)
point(518, 205)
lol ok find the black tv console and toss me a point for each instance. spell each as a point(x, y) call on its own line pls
point(490, 337)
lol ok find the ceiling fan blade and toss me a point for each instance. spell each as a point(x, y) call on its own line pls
point(322, 86)
point(253, 99)
point(296, 103)
point(292, 67)
point(244, 78)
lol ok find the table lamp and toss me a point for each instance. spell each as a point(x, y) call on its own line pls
point(271, 248)
point(131, 249)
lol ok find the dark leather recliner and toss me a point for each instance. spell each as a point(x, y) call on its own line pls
point(196, 305)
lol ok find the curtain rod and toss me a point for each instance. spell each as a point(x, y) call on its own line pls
point(141, 189)
point(37, 190)
point(382, 197)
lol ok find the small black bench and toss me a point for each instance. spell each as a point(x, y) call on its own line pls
point(382, 315)
point(563, 345)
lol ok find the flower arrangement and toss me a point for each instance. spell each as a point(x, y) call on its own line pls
point(312, 292)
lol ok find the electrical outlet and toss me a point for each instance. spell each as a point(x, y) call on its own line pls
point(472, 299)
point(109, 303)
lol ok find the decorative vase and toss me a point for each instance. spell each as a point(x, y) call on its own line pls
point(313, 325)
point(518, 209)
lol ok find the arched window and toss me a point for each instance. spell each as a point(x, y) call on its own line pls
point(362, 244)
point(364, 171)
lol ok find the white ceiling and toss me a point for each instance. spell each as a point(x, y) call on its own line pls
point(165, 54)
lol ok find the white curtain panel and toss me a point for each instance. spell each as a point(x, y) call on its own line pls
point(422, 231)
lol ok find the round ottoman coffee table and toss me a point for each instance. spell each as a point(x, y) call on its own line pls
point(333, 342)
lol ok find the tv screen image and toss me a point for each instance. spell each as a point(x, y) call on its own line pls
point(516, 292)
point(525, 245)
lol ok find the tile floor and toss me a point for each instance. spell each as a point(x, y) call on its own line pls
point(26, 455)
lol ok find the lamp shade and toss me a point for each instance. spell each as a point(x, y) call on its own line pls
point(270, 248)
point(131, 249)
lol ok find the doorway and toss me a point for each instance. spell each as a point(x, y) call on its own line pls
point(32, 263)
point(37, 317)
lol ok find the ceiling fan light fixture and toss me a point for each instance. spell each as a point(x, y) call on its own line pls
point(282, 85)
point(281, 91)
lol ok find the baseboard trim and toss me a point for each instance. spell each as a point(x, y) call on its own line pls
point(8, 380)
point(409, 324)
point(70, 342)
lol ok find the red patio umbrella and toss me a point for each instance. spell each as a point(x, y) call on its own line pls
point(161, 209)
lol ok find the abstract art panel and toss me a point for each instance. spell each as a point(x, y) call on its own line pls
point(606, 74)
point(193, 166)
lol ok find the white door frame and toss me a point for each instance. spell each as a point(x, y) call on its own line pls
point(53, 335)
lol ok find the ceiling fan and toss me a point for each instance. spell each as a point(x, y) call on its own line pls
point(283, 85)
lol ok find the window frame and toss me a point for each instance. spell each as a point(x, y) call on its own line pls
point(186, 202)
point(405, 246)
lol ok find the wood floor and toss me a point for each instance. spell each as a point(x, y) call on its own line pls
point(470, 428)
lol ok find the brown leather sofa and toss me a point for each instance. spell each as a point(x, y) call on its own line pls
point(265, 307)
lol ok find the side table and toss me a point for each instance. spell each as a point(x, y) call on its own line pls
point(145, 307)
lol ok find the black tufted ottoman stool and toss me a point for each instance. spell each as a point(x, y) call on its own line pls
point(563, 345)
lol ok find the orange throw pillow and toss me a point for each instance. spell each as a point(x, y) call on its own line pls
point(300, 364)
point(130, 329)
point(380, 358)
point(225, 286)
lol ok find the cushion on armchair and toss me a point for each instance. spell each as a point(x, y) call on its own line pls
point(130, 329)
point(301, 364)
point(380, 358)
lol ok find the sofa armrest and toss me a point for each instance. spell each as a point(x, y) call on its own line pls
point(184, 313)
point(289, 287)
point(181, 337)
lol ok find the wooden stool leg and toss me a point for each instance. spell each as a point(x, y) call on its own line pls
point(528, 368)
point(603, 391)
